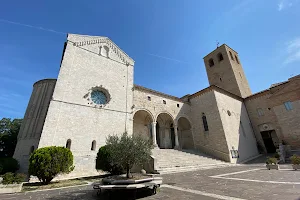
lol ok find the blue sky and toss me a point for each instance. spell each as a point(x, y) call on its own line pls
point(166, 38)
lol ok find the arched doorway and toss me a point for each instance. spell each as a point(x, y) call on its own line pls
point(165, 135)
point(142, 126)
point(185, 135)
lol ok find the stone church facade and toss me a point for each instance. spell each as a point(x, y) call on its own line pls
point(95, 96)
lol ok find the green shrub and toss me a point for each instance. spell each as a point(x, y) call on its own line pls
point(11, 178)
point(8, 164)
point(47, 162)
point(271, 161)
point(19, 178)
point(295, 159)
point(104, 163)
point(8, 178)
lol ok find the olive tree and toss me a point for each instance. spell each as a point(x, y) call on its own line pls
point(128, 150)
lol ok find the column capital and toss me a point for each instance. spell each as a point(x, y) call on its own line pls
point(154, 123)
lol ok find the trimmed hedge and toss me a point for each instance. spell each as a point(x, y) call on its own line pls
point(103, 162)
point(47, 162)
point(8, 164)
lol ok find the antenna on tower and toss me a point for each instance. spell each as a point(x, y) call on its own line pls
point(217, 43)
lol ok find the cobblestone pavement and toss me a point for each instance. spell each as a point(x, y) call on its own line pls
point(237, 183)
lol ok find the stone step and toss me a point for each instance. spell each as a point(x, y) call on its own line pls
point(171, 161)
point(190, 168)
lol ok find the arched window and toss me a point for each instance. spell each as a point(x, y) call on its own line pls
point(211, 62)
point(237, 60)
point(93, 148)
point(104, 51)
point(220, 57)
point(31, 150)
point(204, 120)
point(231, 55)
point(68, 144)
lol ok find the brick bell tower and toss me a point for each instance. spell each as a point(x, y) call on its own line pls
point(225, 70)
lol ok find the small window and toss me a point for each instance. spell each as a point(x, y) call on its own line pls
point(211, 62)
point(220, 57)
point(204, 120)
point(93, 148)
point(164, 102)
point(240, 74)
point(260, 112)
point(68, 144)
point(288, 105)
point(178, 105)
point(231, 55)
point(149, 98)
point(229, 113)
point(237, 60)
point(221, 79)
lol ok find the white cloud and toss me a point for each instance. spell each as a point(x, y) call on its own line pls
point(293, 51)
point(166, 58)
point(283, 4)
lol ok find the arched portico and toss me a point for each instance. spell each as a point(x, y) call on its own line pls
point(142, 123)
point(185, 135)
point(165, 131)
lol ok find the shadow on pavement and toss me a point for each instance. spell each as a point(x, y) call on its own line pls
point(92, 195)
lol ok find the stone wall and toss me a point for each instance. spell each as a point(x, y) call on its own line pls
point(212, 141)
point(31, 128)
point(73, 115)
point(275, 116)
point(237, 127)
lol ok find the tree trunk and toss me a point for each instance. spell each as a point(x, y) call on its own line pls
point(127, 172)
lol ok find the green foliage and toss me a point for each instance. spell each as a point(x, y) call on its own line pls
point(47, 162)
point(271, 160)
point(8, 165)
point(104, 162)
point(127, 150)
point(295, 159)
point(277, 155)
point(8, 178)
point(9, 130)
point(11, 178)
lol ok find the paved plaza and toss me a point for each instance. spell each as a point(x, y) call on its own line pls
point(236, 183)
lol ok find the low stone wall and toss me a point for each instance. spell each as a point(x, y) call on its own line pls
point(220, 155)
point(150, 166)
point(10, 188)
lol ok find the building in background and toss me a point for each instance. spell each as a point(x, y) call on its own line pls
point(95, 96)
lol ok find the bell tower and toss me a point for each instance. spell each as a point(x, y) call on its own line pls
point(224, 69)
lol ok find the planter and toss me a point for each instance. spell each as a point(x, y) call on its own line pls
point(272, 166)
point(295, 167)
point(10, 188)
point(121, 180)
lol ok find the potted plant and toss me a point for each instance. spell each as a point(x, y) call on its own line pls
point(272, 163)
point(122, 152)
point(296, 162)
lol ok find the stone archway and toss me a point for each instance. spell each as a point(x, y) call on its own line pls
point(142, 124)
point(185, 135)
point(165, 133)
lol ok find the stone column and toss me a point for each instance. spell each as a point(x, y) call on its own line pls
point(176, 137)
point(154, 133)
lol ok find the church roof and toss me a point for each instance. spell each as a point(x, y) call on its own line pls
point(84, 40)
point(138, 87)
